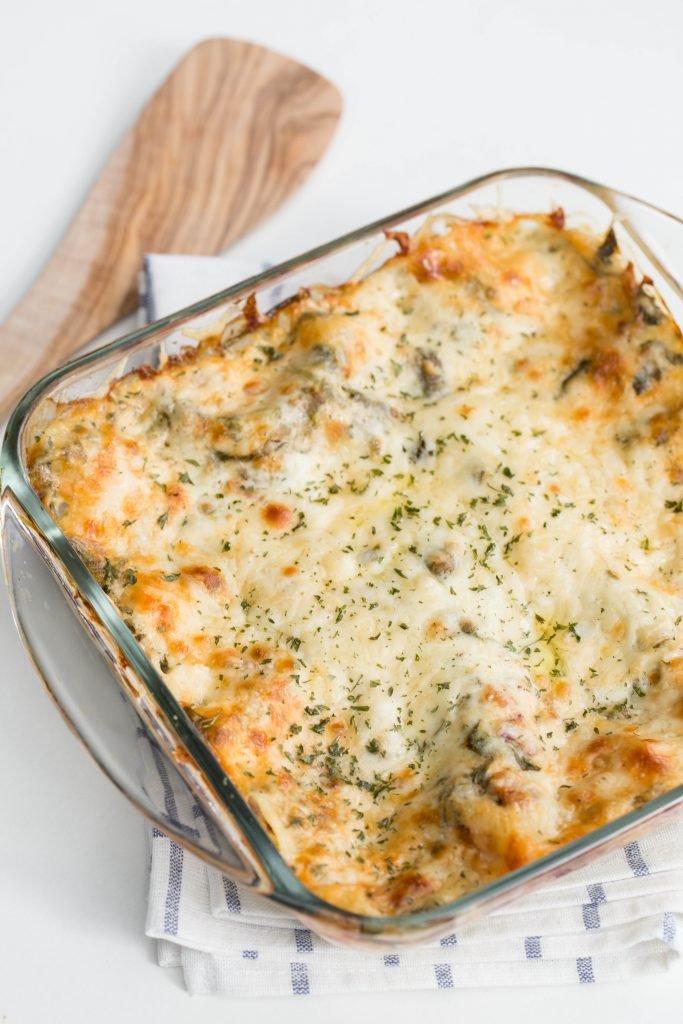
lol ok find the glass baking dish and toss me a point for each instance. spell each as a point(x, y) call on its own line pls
point(108, 690)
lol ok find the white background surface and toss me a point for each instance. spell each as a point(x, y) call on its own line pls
point(435, 93)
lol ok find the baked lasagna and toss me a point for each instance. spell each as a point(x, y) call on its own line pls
point(408, 550)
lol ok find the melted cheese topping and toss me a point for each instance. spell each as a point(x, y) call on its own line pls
point(409, 551)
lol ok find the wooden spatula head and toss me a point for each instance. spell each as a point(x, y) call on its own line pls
point(230, 134)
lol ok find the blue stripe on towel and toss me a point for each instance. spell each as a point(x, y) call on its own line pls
point(300, 983)
point(148, 292)
point(303, 940)
point(169, 795)
point(444, 975)
point(232, 896)
point(174, 888)
point(635, 860)
point(591, 916)
point(596, 893)
point(669, 927)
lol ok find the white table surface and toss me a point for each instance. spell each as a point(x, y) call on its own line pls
point(435, 93)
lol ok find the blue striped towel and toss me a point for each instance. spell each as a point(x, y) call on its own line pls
point(620, 916)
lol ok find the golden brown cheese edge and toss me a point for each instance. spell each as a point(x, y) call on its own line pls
point(407, 549)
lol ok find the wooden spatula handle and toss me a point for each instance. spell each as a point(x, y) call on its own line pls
point(87, 285)
point(228, 136)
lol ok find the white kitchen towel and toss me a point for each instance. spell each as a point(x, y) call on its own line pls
point(620, 916)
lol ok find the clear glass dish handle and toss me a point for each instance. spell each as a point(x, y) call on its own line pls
point(83, 684)
point(657, 236)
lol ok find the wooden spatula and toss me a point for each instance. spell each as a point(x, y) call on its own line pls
point(229, 135)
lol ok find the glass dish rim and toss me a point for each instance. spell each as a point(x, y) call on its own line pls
point(286, 887)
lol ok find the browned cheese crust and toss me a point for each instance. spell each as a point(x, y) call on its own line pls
point(408, 550)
